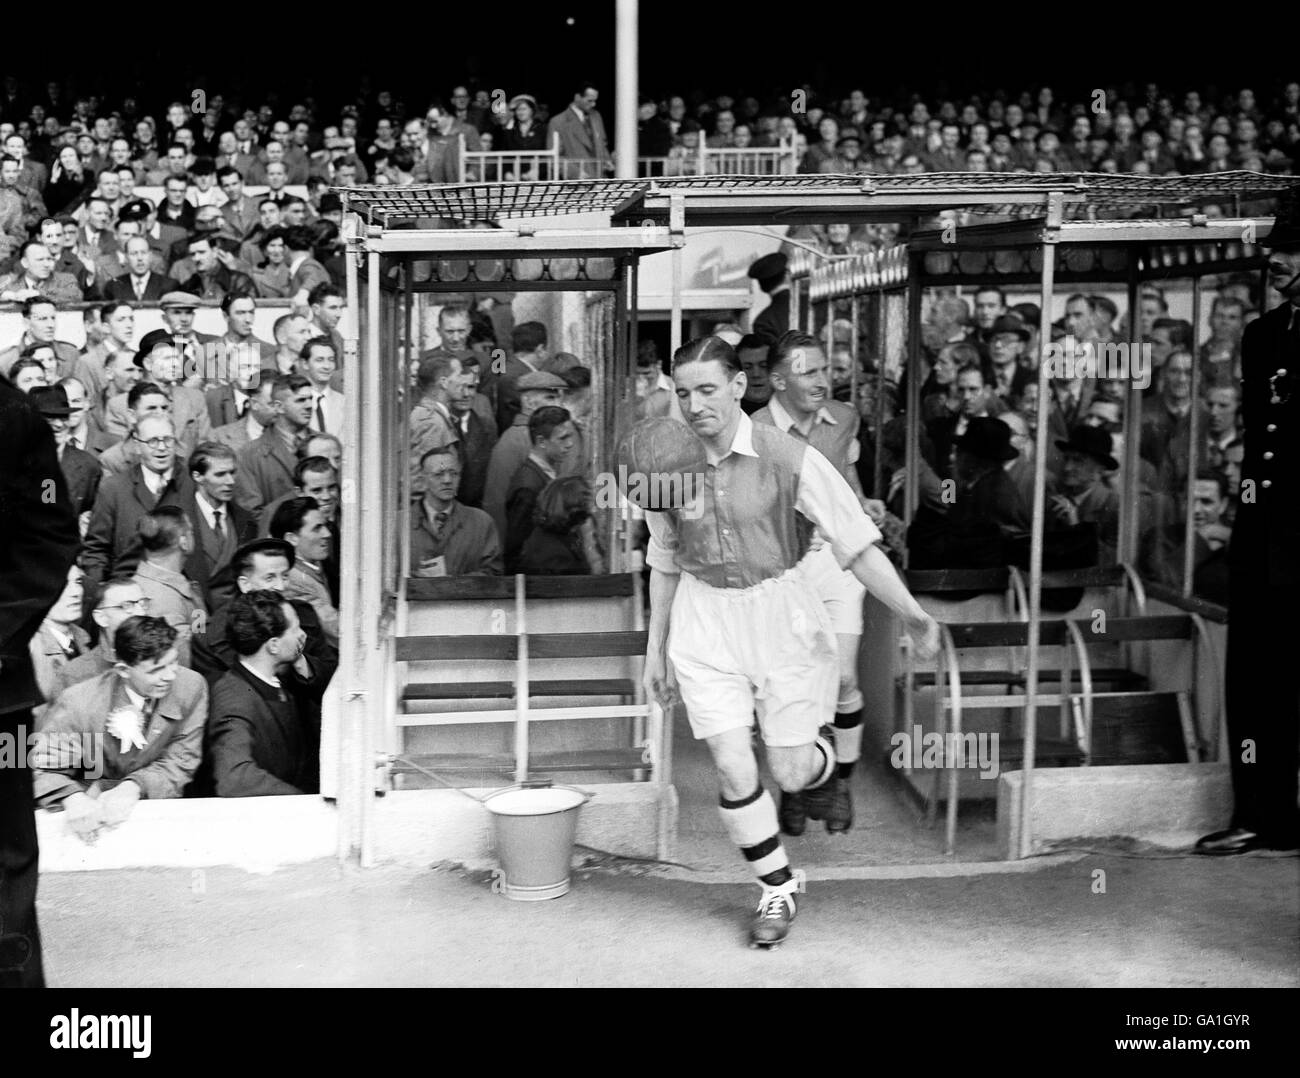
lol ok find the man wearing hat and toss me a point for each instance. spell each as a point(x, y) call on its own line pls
point(537, 389)
point(1007, 339)
point(1084, 496)
point(178, 316)
point(159, 359)
point(1264, 577)
point(80, 469)
point(770, 272)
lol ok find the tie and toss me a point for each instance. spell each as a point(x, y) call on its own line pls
point(217, 525)
point(243, 408)
point(139, 287)
point(320, 411)
point(439, 521)
point(71, 650)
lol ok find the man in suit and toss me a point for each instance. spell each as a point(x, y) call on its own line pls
point(118, 318)
point(239, 346)
point(178, 316)
point(38, 544)
point(111, 265)
point(581, 133)
point(40, 322)
point(81, 470)
point(258, 417)
point(529, 354)
point(38, 278)
point(301, 524)
point(60, 639)
point(266, 466)
point(31, 173)
point(771, 273)
point(305, 273)
point(145, 718)
point(112, 543)
point(477, 435)
point(263, 731)
point(327, 308)
point(162, 238)
point(449, 538)
point(213, 278)
point(551, 432)
point(66, 259)
point(220, 525)
point(119, 598)
point(318, 363)
point(140, 283)
point(1264, 582)
point(263, 564)
point(176, 212)
point(160, 361)
point(240, 211)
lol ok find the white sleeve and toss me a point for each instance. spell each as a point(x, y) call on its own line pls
point(826, 499)
point(662, 549)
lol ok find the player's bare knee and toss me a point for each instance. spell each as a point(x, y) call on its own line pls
point(791, 766)
point(736, 765)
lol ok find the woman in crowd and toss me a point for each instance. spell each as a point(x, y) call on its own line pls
point(563, 542)
point(69, 181)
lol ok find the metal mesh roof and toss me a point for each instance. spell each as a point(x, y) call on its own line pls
point(925, 192)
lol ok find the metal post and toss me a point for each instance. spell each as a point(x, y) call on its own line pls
point(375, 477)
point(625, 74)
point(677, 212)
point(912, 460)
point(1128, 517)
point(1051, 232)
point(351, 648)
point(879, 488)
point(1193, 445)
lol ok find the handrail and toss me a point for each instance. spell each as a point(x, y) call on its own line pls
point(1016, 580)
point(1190, 603)
point(1136, 587)
point(949, 650)
point(1085, 686)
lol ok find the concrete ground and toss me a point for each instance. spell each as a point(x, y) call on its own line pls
point(1162, 921)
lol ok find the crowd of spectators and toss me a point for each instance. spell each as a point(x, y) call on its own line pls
point(200, 627)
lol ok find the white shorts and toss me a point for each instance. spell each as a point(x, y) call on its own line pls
point(769, 649)
point(840, 591)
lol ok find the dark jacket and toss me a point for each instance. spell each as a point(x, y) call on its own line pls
point(82, 471)
point(548, 553)
point(521, 500)
point(212, 654)
point(774, 320)
point(214, 576)
point(262, 741)
point(121, 290)
point(38, 540)
point(112, 544)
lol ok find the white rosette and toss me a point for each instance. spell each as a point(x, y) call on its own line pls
point(127, 725)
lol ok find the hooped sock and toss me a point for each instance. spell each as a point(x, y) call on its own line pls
point(752, 825)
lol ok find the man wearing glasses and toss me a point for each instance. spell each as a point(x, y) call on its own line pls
point(119, 599)
point(112, 544)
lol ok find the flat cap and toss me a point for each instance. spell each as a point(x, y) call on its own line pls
point(180, 299)
point(541, 380)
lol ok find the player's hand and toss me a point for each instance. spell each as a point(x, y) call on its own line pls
point(83, 814)
point(659, 680)
point(925, 637)
point(874, 508)
point(116, 805)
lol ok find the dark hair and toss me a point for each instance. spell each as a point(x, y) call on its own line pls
point(543, 422)
point(1180, 331)
point(30, 351)
point(253, 618)
point(751, 342)
point(143, 639)
point(288, 383)
point(317, 342)
point(298, 239)
point(277, 548)
point(563, 504)
point(162, 528)
point(290, 515)
point(1089, 300)
point(35, 301)
point(228, 170)
point(528, 336)
point(401, 159)
point(205, 453)
point(321, 293)
point(577, 377)
point(706, 350)
point(26, 364)
point(432, 371)
point(310, 464)
point(110, 309)
point(781, 348)
point(1002, 296)
point(230, 298)
point(454, 309)
point(1206, 475)
point(142, 389)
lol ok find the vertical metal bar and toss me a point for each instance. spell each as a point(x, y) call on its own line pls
point(351, 709)
point(625, 75)
point(521, 681)
point(1128, 516)
point(1193, 445)
point(879, 489)
point(374, 477)
point(913, 461)
point(1050, 235)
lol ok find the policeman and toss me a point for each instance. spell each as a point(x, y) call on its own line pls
point(771, 273)
point(1264, 577)
point(734, 624)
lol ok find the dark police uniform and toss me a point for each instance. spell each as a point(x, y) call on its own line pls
point(1263, 700)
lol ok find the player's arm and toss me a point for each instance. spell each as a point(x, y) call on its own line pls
point(826, 499)
point(660, 684)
